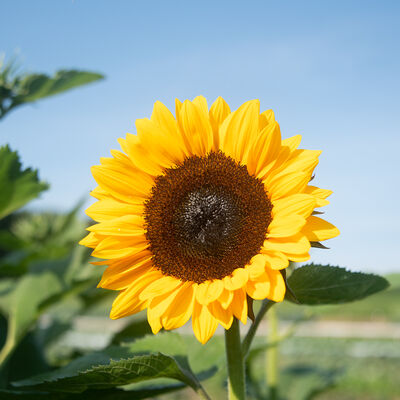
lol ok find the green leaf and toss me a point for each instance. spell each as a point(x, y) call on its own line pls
point(118, 366)
point(115, 373)
point(105, 394)
point(17, 186)
point(37, 86)
point(17, 89)
point(324, 284)
point(23, 304)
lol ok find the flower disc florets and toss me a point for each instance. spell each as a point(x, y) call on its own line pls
point(205, 218)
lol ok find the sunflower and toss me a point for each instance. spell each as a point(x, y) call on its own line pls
point(199, 214)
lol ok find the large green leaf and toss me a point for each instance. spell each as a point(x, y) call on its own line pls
point(114, 373)
point(104, 394)
point(119, 366)
point(17, 186)
point(324, 284)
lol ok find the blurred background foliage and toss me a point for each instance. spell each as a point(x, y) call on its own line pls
point(18, 88)
point(56, 340)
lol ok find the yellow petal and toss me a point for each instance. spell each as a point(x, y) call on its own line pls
point(239, 130)
point(128, 302)
point(281, 227)
point(209, 291)
point(226, 298)
point(300, 257)
point(285, 152)
point(266, 117)
point(116, 247)
point(99, 193)
point(196, 128)
point(257, 266)
point(123, 185)
point(265, 150)
point(239, 305)
point(318, 229)
point(203, 322)
point(124, 264)
point(157, 308)
point(303, 160)
point(154, 148)
point(276, 259)
point(181, 308)
point(292, 143)
point(297, 244)
point(178, 107)
point(108, 209)
point(295, 204)
point(128, 225)
point(164, 118)
point(118, 164)
point(90, 240)
point(132, 146)
point(160, 286)
point(259, 289)
point(218, 112)
point(320, 195)
point(223, 316)
point(237, 279)
point(285, 184)
point(160, 146)
point(201, 103)
point(278, 287)
point(122, 158)
point(122, 279)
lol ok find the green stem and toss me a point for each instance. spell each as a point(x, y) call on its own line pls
point(202, 393)
point(235, 363)
point(6, 352)
point(266, 305)
point(10, 344)
point(272, 356)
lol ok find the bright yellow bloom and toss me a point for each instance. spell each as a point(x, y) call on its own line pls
point(201, 212)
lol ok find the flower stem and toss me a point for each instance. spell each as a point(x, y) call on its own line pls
point(235, 364)
point(272, 355)
point(266, 305)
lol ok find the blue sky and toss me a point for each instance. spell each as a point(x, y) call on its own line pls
point(329, 70)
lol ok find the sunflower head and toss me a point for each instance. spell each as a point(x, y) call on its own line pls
point(200, 212)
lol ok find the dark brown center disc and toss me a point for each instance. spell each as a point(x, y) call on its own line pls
point(205, 218)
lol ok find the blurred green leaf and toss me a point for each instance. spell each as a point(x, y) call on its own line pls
point(37, 86)
point(22, 306)
point(16, 90)
point(135, 329)
point(43, 237)
point(17, 186)
point(324, 284)
point(302, 382)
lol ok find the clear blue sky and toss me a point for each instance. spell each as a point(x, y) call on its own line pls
point(329, 69)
